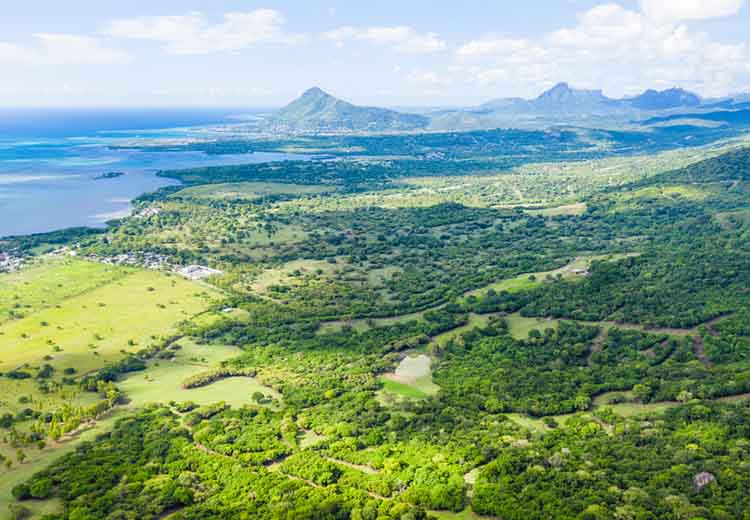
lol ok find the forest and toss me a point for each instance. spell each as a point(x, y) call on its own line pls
point(586, 349)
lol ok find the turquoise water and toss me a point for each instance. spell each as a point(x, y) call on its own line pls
point(48, 183)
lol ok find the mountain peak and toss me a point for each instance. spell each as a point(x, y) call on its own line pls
point(316, 92)
point(562, 86)
point(563, 97)
point(316, 110)
point(661, 100)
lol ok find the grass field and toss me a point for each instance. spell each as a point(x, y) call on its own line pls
point(291, 274)
point(528, 281)
point(475, 321)
point(80, 315)
point(520, 327)
point(557, 211)
point(85, 331)
point(363, 324)
point(50, 281)
point(162, 382)
point(250, 190)
point(634, 199)
point(412, 379)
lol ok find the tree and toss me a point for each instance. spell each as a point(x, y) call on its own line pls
point(582, 402)
point(642, 392)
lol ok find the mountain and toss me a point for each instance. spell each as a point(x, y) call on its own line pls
point(665, 99)
point(563, 100)
point(317, 111)
point(559, 100)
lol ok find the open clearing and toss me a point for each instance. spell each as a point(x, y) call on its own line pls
point(475, 321)
point(520, 327)
point(49, 282)
point(570, 209)
point(291, 274)
point(412, 378)
point(527, 281)
point(250, 190)
point(162, 382)
point(86, 331)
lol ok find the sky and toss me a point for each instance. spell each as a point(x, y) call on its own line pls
point(247, 53)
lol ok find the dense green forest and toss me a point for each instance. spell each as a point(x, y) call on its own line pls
point(587, 352)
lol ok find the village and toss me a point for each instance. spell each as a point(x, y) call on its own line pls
point(145, 260)
point(10, 261)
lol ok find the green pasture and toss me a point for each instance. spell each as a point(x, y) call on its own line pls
point(162, 382)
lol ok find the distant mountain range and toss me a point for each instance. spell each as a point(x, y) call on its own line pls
point(318, 111)
point(564, 100)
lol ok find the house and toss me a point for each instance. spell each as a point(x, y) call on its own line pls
point(702, 480)
point(197, 272)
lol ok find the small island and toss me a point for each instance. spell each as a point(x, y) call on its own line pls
point(109, 175)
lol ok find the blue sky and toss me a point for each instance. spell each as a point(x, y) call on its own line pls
point(395, 53)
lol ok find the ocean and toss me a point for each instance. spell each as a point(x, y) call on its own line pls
point(50, 158)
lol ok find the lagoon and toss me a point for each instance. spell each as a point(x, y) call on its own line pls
point(50, 183)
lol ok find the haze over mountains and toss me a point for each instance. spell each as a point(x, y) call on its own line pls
point(318, 111)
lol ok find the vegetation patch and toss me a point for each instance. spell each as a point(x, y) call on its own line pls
point(163, 382)
point(520, 327)
point(412, 378)
point(216, 374)
point(249, 190)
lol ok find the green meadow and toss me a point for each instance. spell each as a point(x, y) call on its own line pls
point(48, 282)
point(162, 382)
point(85, 331)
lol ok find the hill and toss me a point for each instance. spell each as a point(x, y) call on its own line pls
point(317, 111)
point(665, 99)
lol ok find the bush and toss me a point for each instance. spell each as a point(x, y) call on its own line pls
point(21, 492)
point(41, 489)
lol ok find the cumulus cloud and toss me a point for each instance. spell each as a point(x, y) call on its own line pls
point(402, 39)
point(193, 34)
point(614, 48)
point(62, 49)
point(679, 10)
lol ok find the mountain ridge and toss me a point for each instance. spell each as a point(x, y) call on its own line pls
point(562, 99)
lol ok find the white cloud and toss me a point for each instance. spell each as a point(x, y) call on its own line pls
point(611, 47)
point(428, 78)
point(62, 49)
point(193, 34)
point(402, 39)
point(678, 10)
